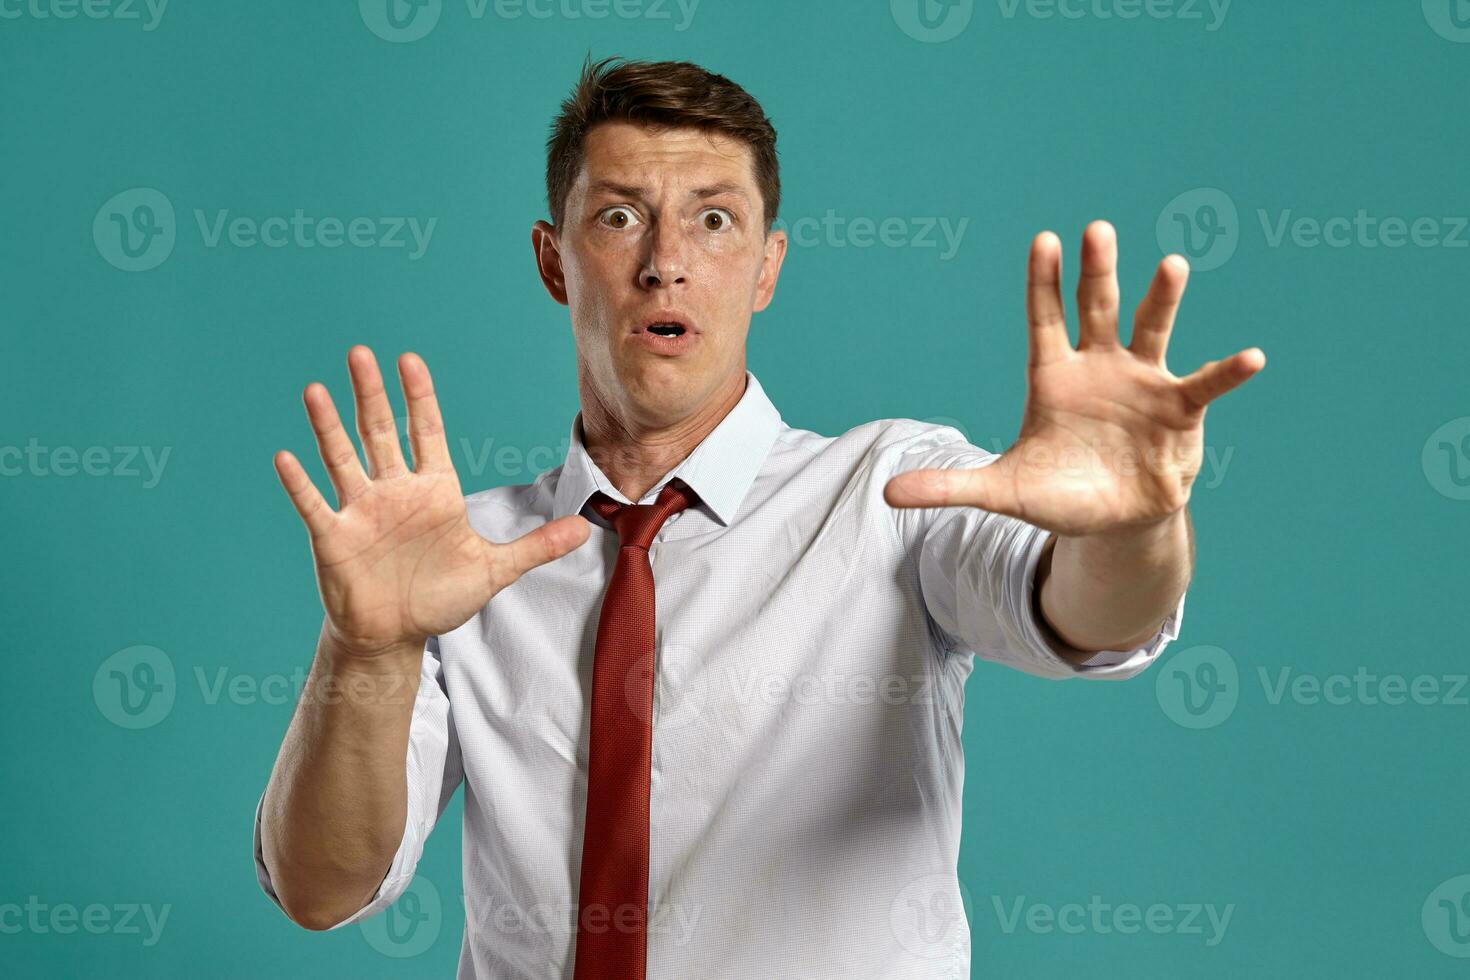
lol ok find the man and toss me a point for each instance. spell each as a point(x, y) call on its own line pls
point(758, 774)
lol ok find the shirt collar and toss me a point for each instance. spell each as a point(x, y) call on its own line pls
point(720, 469)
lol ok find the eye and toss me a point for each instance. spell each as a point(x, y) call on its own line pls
point(716, 219)
point(618, 217)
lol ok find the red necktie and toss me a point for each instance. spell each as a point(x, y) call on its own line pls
point(612, 902)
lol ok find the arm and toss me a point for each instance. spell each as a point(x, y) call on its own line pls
point(397, 564)
point(1109, 447)
point(1112, 591)
point(336, 805)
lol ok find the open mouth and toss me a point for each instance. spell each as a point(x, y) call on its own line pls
point(667, 332)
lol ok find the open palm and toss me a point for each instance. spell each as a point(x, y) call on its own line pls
point(398, 561)
point(1110, 439)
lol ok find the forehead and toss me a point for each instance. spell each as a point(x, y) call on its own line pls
point(625, 153)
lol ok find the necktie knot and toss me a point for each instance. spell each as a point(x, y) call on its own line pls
point(637, 524)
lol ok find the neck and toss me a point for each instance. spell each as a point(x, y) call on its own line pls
point(634, 455)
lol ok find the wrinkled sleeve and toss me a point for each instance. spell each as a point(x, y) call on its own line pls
point(977, 572)
point(434, 770)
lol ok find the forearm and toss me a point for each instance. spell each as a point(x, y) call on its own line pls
point(336, 804)
point(1113, 591)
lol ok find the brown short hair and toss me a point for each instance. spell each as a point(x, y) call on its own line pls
point(659, 94)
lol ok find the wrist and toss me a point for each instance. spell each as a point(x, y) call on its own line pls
point(1158, 554)
point(340, 657)
point(1145, 535)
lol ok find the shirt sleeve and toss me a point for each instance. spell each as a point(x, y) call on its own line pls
point(977, 572)
point(434, 770)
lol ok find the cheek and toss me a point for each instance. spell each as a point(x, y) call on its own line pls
point(732, 263)
point(593, 274)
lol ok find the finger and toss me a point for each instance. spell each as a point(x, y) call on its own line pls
point(1044, 312)
point(425, 424)
point(305, 497)
point(338, 453)
point(374, 415)
point(987, 487)
point(1154, 320)
point(1097, 287)
point(547, 543)
point(1218, 377)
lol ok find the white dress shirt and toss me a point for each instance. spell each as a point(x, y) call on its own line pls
point(813, 644)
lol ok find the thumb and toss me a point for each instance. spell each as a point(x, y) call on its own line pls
point(978, 487)
point(547, 543)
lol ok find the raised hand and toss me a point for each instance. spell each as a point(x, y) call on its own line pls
point(398, 561)
point(1110, 439)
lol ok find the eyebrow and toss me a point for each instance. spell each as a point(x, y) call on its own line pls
point(631, 191)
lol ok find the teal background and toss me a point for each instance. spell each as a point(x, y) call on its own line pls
point(1327, 545)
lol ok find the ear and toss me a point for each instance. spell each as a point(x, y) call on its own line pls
point(775, 254)
point(548, 261)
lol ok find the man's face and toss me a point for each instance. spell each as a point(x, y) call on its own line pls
point(661, 227)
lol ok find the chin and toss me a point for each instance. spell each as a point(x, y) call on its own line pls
point(664, 387)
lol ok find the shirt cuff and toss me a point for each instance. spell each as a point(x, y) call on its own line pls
point(377, 902)
point(1104, 664)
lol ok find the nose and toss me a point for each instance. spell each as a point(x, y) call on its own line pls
point(663, 265)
